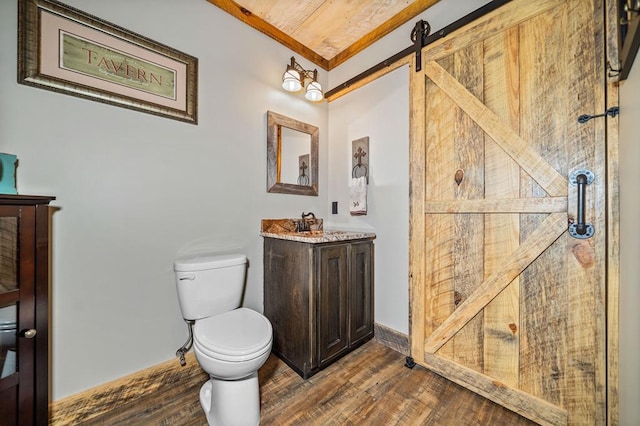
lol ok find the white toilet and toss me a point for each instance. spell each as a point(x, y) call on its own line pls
point(8, 340)
point(230, 342)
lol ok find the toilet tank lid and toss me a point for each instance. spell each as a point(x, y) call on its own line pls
point(208, 261)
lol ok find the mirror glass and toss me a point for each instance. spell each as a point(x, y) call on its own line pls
point(292, 156)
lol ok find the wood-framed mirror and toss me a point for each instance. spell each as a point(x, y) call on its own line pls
point(292, 156)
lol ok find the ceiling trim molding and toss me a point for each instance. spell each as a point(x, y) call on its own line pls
point(269, 30)
point(411, 11)
point(402, 58)
point(246, 16)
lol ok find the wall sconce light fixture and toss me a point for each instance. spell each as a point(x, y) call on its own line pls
point(294, 77)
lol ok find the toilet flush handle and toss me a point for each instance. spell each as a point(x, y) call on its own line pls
point(188, 277)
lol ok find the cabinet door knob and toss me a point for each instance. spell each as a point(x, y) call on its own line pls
point(29, 334)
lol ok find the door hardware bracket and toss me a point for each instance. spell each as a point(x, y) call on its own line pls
point(419, 37)
point(409, 362)
point(573, 176)
point(611, 112)
point(580, 228)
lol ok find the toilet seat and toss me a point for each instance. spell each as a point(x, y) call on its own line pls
point(235, 336)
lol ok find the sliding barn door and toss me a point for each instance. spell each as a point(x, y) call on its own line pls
point(504, 301)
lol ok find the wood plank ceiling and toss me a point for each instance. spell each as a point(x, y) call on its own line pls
point(326, 32)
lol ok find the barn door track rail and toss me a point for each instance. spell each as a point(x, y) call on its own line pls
point(421, 37)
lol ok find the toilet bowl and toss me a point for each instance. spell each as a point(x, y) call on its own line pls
point(8, 340)
point(231, 347)
point(8, 319)
point(230, 342)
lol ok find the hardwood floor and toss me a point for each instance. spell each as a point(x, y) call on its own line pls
point(370, 386)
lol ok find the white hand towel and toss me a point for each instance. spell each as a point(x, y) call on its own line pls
point(358, 198)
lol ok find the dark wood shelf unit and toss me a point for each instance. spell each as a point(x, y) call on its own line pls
point(24, 394)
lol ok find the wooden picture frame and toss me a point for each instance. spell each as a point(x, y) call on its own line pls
point(629, 34)
point(65, 50)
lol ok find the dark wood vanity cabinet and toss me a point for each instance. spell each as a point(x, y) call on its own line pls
point(319, 299)
point(24, 301)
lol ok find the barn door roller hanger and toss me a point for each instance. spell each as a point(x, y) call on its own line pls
point(580, 229)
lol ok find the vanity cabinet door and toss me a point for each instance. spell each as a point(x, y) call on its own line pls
point(288, 300)
point(361, 292)
point(333, 291)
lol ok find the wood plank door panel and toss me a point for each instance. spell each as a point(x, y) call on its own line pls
point(503, 300)
point(333, 288)
point(360, 292)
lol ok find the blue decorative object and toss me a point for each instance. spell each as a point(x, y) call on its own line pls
point(8, 164)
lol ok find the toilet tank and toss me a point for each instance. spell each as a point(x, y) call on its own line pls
point(209, 284)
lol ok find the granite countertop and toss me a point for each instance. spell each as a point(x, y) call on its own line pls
point(285, 229)
point(316, 237)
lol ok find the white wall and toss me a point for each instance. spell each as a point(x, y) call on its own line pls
point(629, 249)
point(136, 190)
point(380, 111)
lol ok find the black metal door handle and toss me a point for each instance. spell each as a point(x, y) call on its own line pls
point(581, 229)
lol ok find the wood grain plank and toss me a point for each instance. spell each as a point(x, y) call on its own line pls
point(468, 254)
point(94, 403)
point(613, 219)
point(269, 30)
point(573, 289)
point(538, 410)
point(501, 205)
point(586, 321)
point(417, 221)
point(288, 16)
point(393, 339)
point(554, 183)
point(409, 12)
point(489, 25)
point(502, 176)
point(548, 232)
point(328, 33)
point(440, 230)
point(329, 18)
point(503, 18)
point(370, 386)
point(544, 301)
